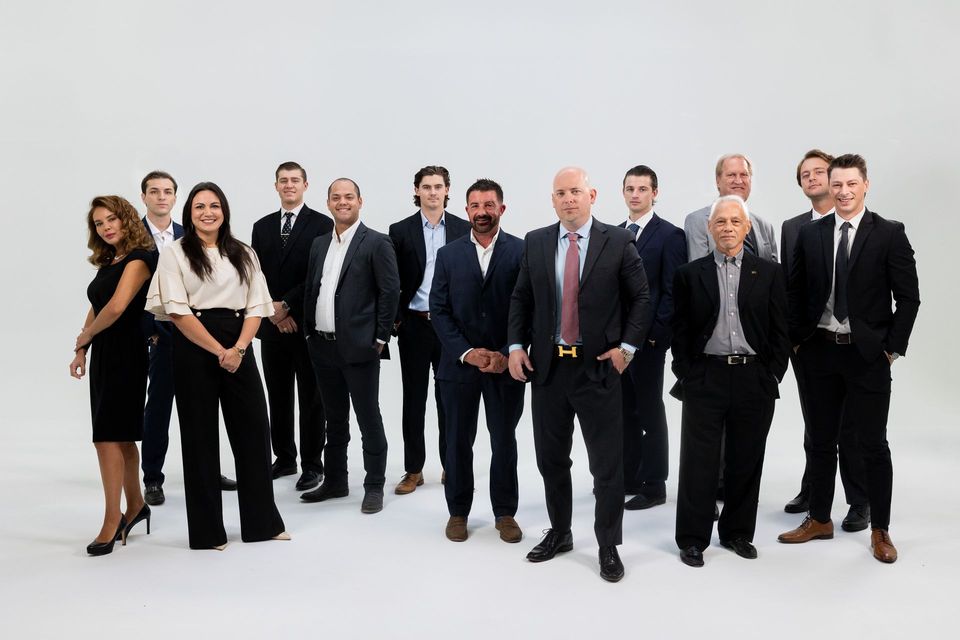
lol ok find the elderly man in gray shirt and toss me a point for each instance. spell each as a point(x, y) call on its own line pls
point(730, 349)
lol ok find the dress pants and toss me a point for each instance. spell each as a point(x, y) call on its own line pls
point(566, 392)
point(722, 399)
point(156, 413)
point(203, 389)
point(339, 383)
point(284, 361)
point(851, 464)
point(503, 406)
point(419, 349)
point(645, 439)
point(850, 391)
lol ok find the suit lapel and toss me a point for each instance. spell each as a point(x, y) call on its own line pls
point(865, 229)
point(324, 249)
point(272, 240)
point(495, 259)
point(826, 244)
point(598, 238)
point(648, 232)
point(748, 278)
point(708, 277)
point(548, 249)
point(303, 220)
point(419, 246)
point(351, 251)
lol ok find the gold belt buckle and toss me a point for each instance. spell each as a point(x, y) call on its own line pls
point(570, 351)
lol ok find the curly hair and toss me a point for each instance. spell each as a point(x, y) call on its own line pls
point(135, 234)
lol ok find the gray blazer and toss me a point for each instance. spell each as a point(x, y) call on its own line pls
point(700, 243)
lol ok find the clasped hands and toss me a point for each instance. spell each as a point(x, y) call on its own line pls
point(282, 319)
point(230, 359)
point(485, 360)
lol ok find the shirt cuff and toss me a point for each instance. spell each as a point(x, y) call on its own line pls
point(629, 347)
point(464, 355)
point(516, 347)
point(379, 341)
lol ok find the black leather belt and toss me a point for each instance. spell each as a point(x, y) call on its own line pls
point(733, 359)
point(567, 351)
point(835, 338)
point(326, 335)
point(421, 314)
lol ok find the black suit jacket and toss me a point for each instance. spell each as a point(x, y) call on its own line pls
point(367, 291)
point(407, 236)
point(149, 324)
point(285, 267)
point(881, 264)
point(614, 298)
point(761, 301)
point(662, 248)
point(470, 310)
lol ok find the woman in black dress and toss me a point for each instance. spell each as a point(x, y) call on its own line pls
point(118, 364)
point(211, 286)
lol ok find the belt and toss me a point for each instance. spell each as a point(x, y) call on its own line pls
point(327, 335)
point(567, 351)
point(219, 313)
point(835, 338)
point(733, 359)
point(422, 314)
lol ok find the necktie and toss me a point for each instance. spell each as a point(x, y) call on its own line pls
point(569, 310)
point(749, 243)
point(840, 276)
point(287, 226)
point(633, 228)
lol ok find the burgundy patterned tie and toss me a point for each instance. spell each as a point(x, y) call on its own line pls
point(569, 310)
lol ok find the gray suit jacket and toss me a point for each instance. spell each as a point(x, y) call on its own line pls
point(700, 243)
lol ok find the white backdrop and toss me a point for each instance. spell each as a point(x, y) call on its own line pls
point(96, 94)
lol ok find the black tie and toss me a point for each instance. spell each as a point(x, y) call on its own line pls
point(749, 244)
point(287, 226)
point(840, 276)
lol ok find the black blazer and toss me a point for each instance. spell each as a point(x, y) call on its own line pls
point(285, 267)
point(366, 298)
point(662, 248)
point(789, 232)
point(469, 310)
point(881, 265)
point(407, 236)
point(614, 300)
point(148, 323)
point(761, 300)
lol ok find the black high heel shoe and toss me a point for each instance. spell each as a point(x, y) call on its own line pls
point(103, 548)
point(143, 514)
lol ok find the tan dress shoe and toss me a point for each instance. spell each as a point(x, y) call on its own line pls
point(408, 483)
point(882, 546)
point(809, 530)
point(456, 529)
point(509, 529)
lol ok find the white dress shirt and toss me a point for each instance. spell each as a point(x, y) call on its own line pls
point(484, 253)
point(332, 266)
point(641, 222)
point(293, 220)
point(827, 321)
point(160, 238)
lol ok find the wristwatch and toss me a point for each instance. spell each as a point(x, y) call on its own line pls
point(285, 306)
point(241, 350)
point(627, 356)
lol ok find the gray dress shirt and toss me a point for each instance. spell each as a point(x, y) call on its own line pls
point(728, 338)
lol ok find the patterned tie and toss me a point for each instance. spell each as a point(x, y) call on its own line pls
point(633, 228)
point(569, 310)
point(287, 226)
point(840, 275)
point(749, 244)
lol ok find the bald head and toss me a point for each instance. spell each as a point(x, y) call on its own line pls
point(573, 197)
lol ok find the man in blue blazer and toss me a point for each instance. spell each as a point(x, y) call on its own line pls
point(663, 248)
point(469, 308)
point(158, 191)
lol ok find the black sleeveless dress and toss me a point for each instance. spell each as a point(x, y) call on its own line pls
point(118, 358)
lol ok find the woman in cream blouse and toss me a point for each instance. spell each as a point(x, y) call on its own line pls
point(210, 285)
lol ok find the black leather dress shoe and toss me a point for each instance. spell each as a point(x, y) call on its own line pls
point(858, 518)
point(279, 470)
point(153, 495)
point(800, 504)
point(553, 543)
point(641, 501)
point(611, 569)
point(692, 557)
point(325, 491)
point(226, 484)
point(372, 501)
point(741, 547)
point(309, 480)
point(716, 513)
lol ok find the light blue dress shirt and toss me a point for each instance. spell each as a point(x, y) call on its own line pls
point(434, 237)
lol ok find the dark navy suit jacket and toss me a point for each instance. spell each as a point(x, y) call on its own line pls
point(149, 324)
point(469, 310)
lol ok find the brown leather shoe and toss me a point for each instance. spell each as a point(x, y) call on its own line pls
point(408, 483)
point(456, 529)
point(809, 530)
point(882, 546)
point(509, 529)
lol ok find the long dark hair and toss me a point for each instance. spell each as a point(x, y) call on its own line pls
point(236, 252)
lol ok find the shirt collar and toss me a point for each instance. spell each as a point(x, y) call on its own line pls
point(346, 236)
point(583, 232)
point(719, 258)
point(816, 216)
point(641, 222)
point(154, 230)
point(426, 223)
point(295, 210)
point(492, 242)
point(854, 221)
